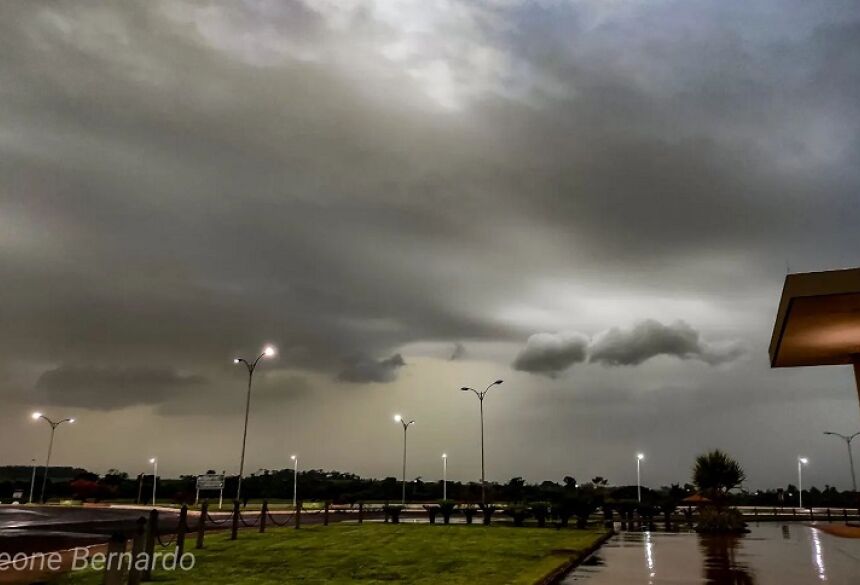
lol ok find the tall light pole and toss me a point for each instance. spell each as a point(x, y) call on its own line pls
point(848, 439)
point(405, 424)
point(639, 458)
point(444, 476)
point(295, 459)
point(32, 479)
point(801, 461)
point(154, 462)
point(480, 396)
point(54, 425)
point(269, 351)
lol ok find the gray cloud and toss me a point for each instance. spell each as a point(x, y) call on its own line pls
point(363, 369)
point(551, 353)
point(109, 388)
point(649, 338)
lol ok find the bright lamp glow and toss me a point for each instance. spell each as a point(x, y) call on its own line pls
point(269, 351)
point(397, 418)
point(804, 460)
point(640, 456)
point(71, 420)
point(236, 360)
point(444, 455)
point(152, 460)
point(36, 415)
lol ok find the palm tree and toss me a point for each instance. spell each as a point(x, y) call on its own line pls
point(716, 474)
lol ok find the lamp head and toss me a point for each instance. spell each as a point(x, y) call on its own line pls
point(444, 455)
point(498, 382)
point(72, 420)
point(640, 456)
point(36, 415)
point(465, 389)
point(397, 418)
point(269, 351)
point(803, 460)
point(153, 460)
point(293, 457)
point(236, 360)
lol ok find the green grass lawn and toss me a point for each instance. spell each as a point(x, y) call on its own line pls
point(376, 553)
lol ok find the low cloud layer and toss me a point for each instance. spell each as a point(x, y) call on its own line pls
point(105, 388)
point(552, 353)
point(649, 338)
point(363, 369)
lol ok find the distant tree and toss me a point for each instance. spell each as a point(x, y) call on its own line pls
point(599, 481)
point(716, 474)
point(569, 481)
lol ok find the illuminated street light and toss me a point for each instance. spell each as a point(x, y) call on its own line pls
point(801, 461)
point(444, 476)
point(154, 462)
point(848, 439)
point(295, 459)
point(480, 396)
point(402, 421)
point(268, 351)
point(639, 458)
point(54, 425)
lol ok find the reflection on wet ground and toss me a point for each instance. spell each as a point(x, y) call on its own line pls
point(771, 554)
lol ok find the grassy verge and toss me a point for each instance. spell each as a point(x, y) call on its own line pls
point(375, 552)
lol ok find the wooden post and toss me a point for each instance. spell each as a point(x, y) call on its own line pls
point(234, 529)
point(113, 571)
point(361, 512)
point(845, 515)
point(298, 515)
point(149, 544)
point(201, 526)
point(181, 530)
point(794, 513)
point(264, 509)
point(325, 515)
point(829, 518)
point(811, 517)
point(137, 550)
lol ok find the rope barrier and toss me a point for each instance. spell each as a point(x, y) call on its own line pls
point(211, 519)
point(290, 518)
point(247, 525)
point(162, 543)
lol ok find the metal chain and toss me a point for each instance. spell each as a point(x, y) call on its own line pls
point(217, 522)
point(290, 518)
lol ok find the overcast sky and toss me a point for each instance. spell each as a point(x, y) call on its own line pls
point(596, 201)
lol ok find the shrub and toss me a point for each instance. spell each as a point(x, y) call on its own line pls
point(469, 512)
point(432, 511)
point(392, 512)
point(720, 520)
point(487, 512)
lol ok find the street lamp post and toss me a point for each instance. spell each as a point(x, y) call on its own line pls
point(295, 459)
point(639, 458)
point(481, 396)
point(269, 351)
point(54, 425)
point(444, 476)
point(848, 439)
point(154, 462)
point(32, 479)
point(405, 424)
point(801, 461)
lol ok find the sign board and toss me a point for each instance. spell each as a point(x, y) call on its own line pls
point(17, 494)
point(210, 482)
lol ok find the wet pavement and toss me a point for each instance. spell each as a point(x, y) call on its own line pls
point(771, 554)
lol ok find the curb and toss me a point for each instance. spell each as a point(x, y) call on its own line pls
point(556, 575)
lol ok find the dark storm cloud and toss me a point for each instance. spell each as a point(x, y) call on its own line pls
point(181, 182)
point(649, 338)
point(551, 353)
point(110, 388)
point(363, 369)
